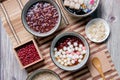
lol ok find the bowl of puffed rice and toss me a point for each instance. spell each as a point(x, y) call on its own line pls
point(69, 51)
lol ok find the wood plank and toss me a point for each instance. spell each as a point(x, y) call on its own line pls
point(14, 13)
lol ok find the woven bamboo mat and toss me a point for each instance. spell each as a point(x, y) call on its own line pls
point(10, 12)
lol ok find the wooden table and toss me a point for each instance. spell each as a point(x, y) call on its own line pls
point(10, 69)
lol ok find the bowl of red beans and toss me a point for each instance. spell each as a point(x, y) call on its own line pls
point(41, 17)
point(69, 51)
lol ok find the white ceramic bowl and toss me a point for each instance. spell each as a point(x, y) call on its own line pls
point(107, 28)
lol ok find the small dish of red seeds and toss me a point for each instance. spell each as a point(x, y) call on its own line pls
point(28, 54)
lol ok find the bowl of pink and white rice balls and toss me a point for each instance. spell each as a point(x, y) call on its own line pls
point(69, 51)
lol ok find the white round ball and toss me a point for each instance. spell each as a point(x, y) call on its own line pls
point(84, 51)
point(75, 44)
point(59, 53)
point(56, 55)
point(59, 60)
point(65, 60)
point(80, 45)
point(80, 49)
point(64, 48)
point(60, 50)
point(62, 62)
point(79, 60)
point(63, 52)
point(73, 62)
point(69, 43)
point(55, 49)
point(81, 56)
point(68, 63)
point(76, 56)
point(65, 64)
point(71, 46)
point(76, 48)
point(64, 56)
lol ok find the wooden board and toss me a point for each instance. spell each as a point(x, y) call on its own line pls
point(11, 17)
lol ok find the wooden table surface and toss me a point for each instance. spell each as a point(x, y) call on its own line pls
point(108, 10)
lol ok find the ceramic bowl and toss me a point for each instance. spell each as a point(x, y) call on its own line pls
point(40, 71)
point(84, 15)
point(24, 12)
point(107, 28)
point(69, 68)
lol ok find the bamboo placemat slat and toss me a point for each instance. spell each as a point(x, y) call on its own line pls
point(10, 12)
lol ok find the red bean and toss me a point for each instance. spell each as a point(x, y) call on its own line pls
point(43, 14)
point(27, 54)
point(63, 41)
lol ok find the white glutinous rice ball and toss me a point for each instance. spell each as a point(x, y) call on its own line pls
point(77, 6)
point(60, 50)
point(64, 56)
point(81, 1)
point(59, 53)
point(72, 4)
point(73, 49)
point(69, 43)
point(76, 48)
point(65, 60)
point(73, 57)
point(64, 48)
point(71, 46)
point(56, 55)
point(79, 60)
point(73, 62)
point(59, 60)
point(80, 45)
point(70, 56)
point(70, 50)
point(62, 62)
point(63, 52)
point(76, 56)
point(65, 64)
point(84, 51)
point(81, 56)
point(80, 49)
point(75, 44)
point(55, 49)
point(61, 56)
point(68, 59)
point(68, 62)
point(66, 3)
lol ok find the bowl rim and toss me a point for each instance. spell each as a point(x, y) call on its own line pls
point(106, 26)
point(84, 15)
point(73, 68)
point(31, 75)
point(24, 22)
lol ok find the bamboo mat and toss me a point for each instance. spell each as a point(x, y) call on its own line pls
point(10, 12)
